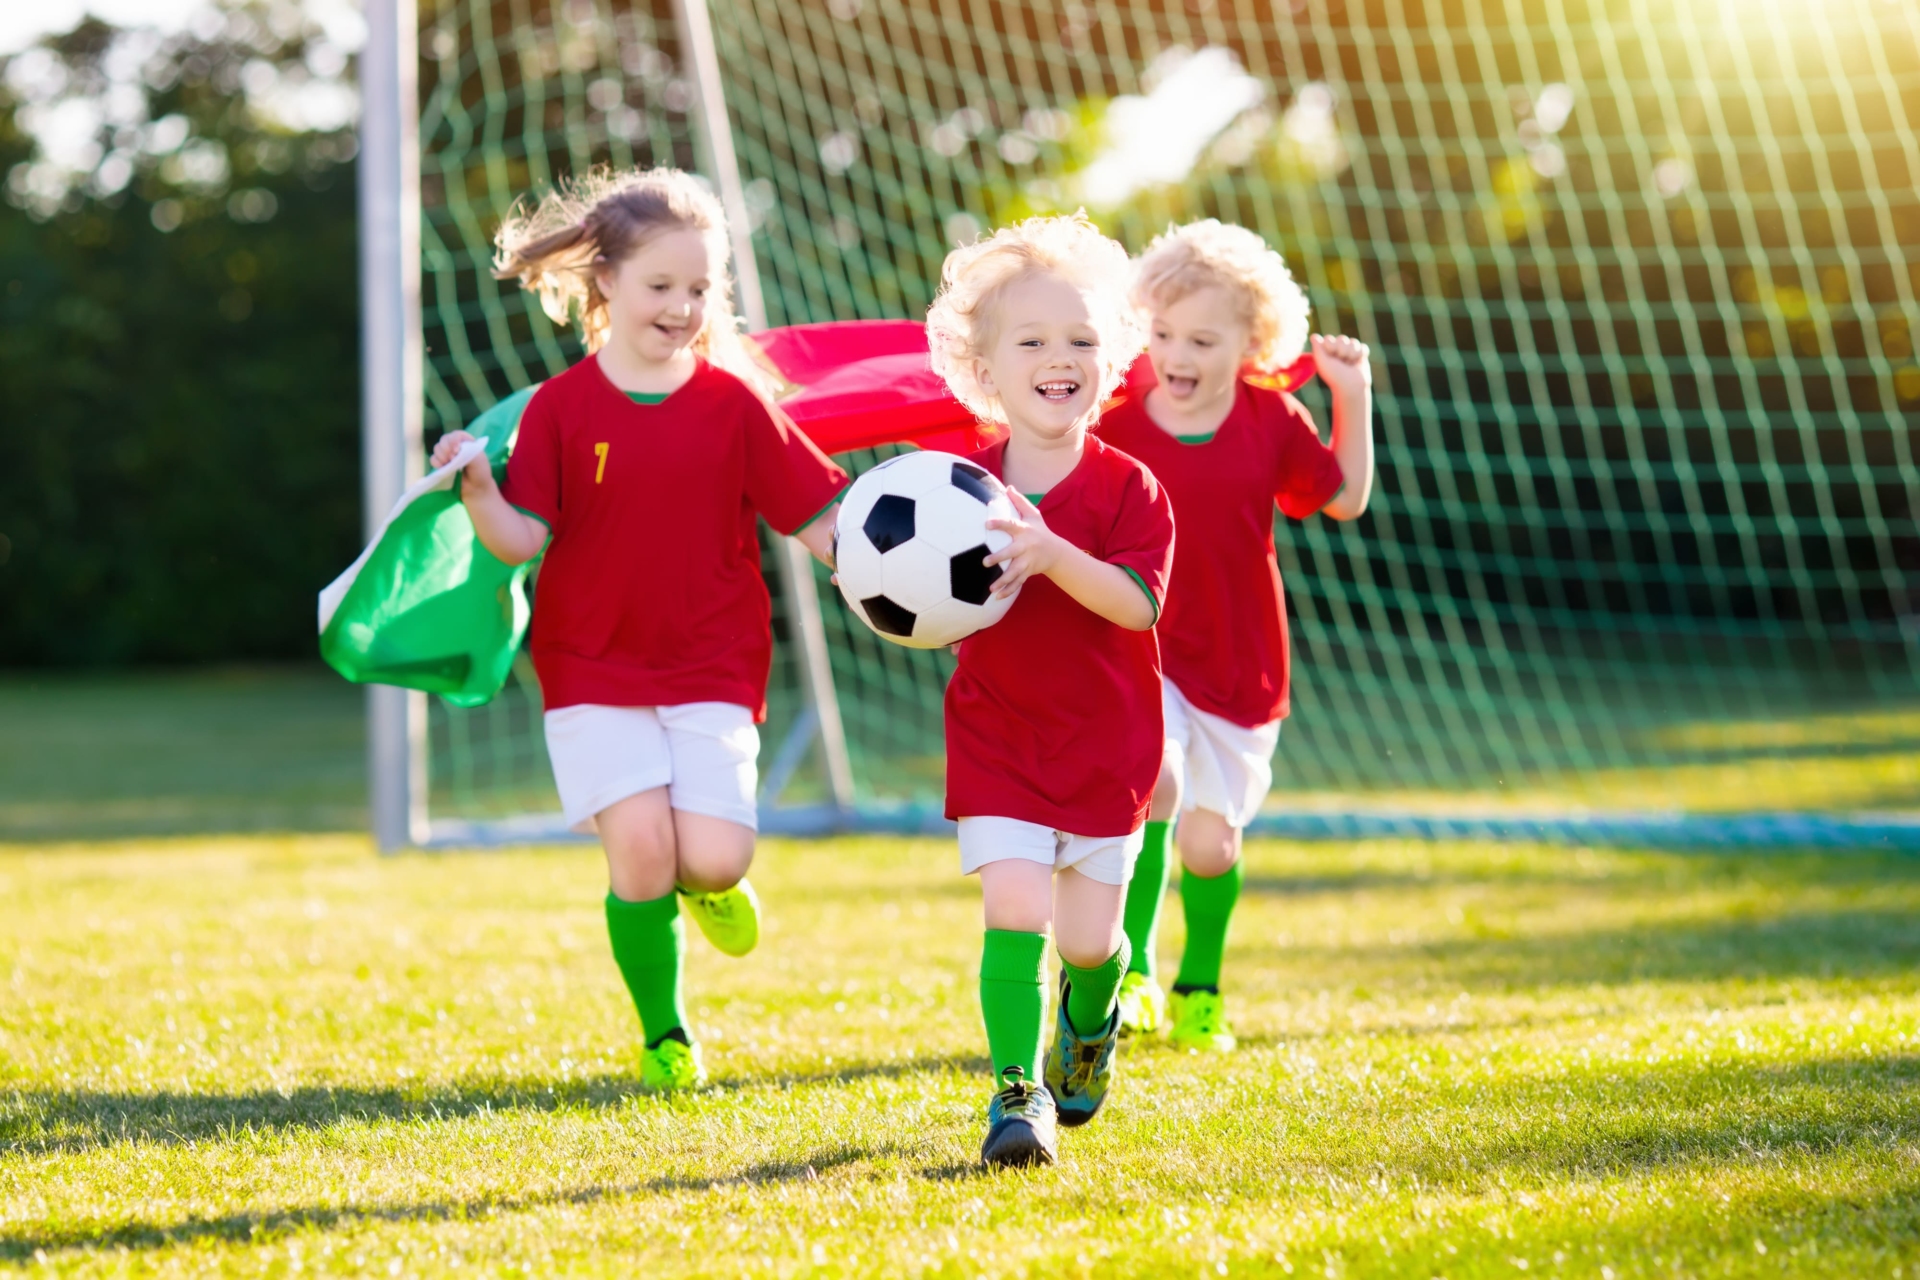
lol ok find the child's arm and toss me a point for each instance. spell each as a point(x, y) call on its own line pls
point(817, 537)
point(513, 536)
point(1342, 364)
point(1107, 589)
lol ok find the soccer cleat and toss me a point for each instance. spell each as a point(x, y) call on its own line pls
point(1200, 1022)
point(1143, 1005)
point(729, 917)
point(1079, 1069)
point(671, 1067)
point(1020, 1124)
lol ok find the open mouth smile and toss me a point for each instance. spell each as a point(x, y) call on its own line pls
point(1180, 385)
point(1058, 392)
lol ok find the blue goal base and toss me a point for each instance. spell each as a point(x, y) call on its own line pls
point(1863, 832)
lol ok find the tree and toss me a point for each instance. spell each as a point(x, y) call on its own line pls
point(178, 340)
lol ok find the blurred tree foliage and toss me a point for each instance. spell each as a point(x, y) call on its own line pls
point(178, 341)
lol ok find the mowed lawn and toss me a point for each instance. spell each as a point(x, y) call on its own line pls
point(285, 1056)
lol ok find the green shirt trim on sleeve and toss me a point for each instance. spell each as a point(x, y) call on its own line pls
point(533, 515)
point(837, 495)
point(1142, 583)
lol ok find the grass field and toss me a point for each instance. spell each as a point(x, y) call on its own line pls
point(282, 1055)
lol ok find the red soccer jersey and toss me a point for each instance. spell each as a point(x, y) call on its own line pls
point(1053, 714)
point(651, 594)
point(1223, 636)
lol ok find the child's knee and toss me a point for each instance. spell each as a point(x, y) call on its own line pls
point(1209, 846)
point(714, 853)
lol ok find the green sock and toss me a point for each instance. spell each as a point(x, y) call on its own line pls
point(1145, 892)
point(1091, 993)
point(649, 944)
point(1208, 904)
point(1013, 981)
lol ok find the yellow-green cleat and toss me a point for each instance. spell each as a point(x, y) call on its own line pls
point(1143, 1005)
point(1200, 1022)
point(672, 1067)
point(730, 918)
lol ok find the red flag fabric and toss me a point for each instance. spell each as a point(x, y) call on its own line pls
point(856, 384)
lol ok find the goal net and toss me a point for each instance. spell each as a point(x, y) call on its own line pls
point(1639, 279)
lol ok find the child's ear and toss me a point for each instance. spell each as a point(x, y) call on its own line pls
point(604, 274)
point(984, 377)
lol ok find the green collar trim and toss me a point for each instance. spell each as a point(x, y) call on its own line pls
point(1202, 438)
point(648, 397)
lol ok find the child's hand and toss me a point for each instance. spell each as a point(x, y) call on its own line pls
point(1034, 549)
point(478, 473)
point(1341, 362)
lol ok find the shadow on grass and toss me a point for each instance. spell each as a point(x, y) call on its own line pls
point(1860, 942)
point(258, 1228)
point(35, 1122)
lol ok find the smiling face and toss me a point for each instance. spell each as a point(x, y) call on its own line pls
point(1198, 346)
point(657, 297)
point(1043, 364)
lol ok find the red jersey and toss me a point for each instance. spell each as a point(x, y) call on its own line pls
point(1223, 637)
point(1053, 714)
point(651, 593)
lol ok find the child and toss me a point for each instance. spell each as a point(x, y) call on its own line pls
point(1221, 305)
point(1053, 713)
point(644, 465)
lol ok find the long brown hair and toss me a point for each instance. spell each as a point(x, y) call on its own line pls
point(555, 246)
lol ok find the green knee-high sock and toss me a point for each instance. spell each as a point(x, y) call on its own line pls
point(649, 944)
point(1013, 1001)
point(1092, 993)
point(1145, 892)
point(1208, 905)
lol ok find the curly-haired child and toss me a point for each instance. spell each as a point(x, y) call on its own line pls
point(641, 470)
point(1222, 308)
point(1053, 713)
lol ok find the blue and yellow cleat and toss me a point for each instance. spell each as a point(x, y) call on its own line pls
point(1020, 1124)
point(1080, 1070)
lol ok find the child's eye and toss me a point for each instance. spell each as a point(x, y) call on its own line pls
point(1029, 342)
point(1202, 342)
point(1085, 342)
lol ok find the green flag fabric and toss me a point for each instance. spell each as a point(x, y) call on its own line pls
point(426, 606)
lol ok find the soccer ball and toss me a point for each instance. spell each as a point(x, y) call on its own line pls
point(909, 544)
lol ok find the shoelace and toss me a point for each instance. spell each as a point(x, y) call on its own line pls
point(1016, 1093)
point(1086, 1062)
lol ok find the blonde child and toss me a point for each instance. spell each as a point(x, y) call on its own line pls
point(1221, 307)
point(1053, 713)
point(641, 470)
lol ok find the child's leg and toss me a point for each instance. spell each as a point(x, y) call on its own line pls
point(1088, 929)
point(1210, 881)
point(714, 746)
point(1017, 904)
point(643, 913)
point(1147, 890)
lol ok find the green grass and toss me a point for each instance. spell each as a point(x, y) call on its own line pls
point(229, 749)
point(284, 1056)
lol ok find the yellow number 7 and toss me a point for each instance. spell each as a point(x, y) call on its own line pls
point(600, 452)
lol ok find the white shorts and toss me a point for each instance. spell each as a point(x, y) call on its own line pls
point(1108, 859)
point(1224, 768)
point(702, 752)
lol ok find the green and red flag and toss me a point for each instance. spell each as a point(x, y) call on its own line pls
point(426, 606)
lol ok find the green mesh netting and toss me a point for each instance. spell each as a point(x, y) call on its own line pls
point(1640, 279)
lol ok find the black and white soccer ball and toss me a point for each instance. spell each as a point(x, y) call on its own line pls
point(909, 545)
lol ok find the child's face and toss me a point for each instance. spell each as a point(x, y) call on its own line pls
point(657, 297)
point(1198, 346)
point(1044, 362)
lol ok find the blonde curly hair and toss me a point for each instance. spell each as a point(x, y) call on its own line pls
point(555, 246)
point(1210, 252)
point(964, 319)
